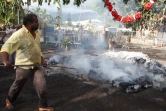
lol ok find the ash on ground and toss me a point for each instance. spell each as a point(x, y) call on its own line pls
point(132, 71)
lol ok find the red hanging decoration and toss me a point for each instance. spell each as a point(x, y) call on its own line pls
point(138, 15)
point(110, 7)
point(130, 19)
point(114, 13)
point(107, 2)
point(118, 18)
point(148, 6)
point(124, 19)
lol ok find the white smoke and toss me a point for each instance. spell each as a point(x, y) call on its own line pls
point(117, 64)
point(113, 65)
point(82, 64)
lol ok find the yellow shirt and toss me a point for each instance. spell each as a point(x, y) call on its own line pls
point(27, 48)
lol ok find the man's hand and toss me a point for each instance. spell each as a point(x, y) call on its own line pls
point(7, 64)
point(44, 64)
point(5, 59)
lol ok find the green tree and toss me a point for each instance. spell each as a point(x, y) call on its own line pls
point(8, 8)
point(8, 11)
point(43, 15)
point(149, 19)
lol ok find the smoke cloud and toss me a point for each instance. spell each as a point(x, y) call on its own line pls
point(110, 66)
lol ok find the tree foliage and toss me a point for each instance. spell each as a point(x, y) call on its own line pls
point(151, 19)
point(43, 16)
point(9, 10)
point(65, 2)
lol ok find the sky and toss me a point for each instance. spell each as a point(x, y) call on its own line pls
point(70, 8)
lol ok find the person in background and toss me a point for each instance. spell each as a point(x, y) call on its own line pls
point(6, 31)
point(111, 44)
point(40, 31)
point(13, 29)
point(4, 28)
point(26, 43)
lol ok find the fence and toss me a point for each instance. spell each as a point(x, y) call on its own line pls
point(6, 36)
point(120, 37)
point(76, 38)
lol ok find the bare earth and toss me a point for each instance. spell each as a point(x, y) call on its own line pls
point(67, 92)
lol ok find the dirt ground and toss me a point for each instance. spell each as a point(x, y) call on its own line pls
point(68, 92)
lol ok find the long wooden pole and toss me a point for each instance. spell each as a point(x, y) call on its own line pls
point(1, 65)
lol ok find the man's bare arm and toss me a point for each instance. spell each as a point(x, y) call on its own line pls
point(5, 59)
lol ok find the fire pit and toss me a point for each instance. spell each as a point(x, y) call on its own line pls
point(132, 71)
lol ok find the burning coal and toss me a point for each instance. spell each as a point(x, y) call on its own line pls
point(133, 71)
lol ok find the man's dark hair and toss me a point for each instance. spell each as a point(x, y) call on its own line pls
point(28, 18)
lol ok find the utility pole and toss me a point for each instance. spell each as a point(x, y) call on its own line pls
point(80, 12)
point(18, 14)
point(59, 14)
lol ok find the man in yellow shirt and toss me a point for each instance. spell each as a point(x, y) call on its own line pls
point(26, 43)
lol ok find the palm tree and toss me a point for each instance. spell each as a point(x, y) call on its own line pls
point(43, 15)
